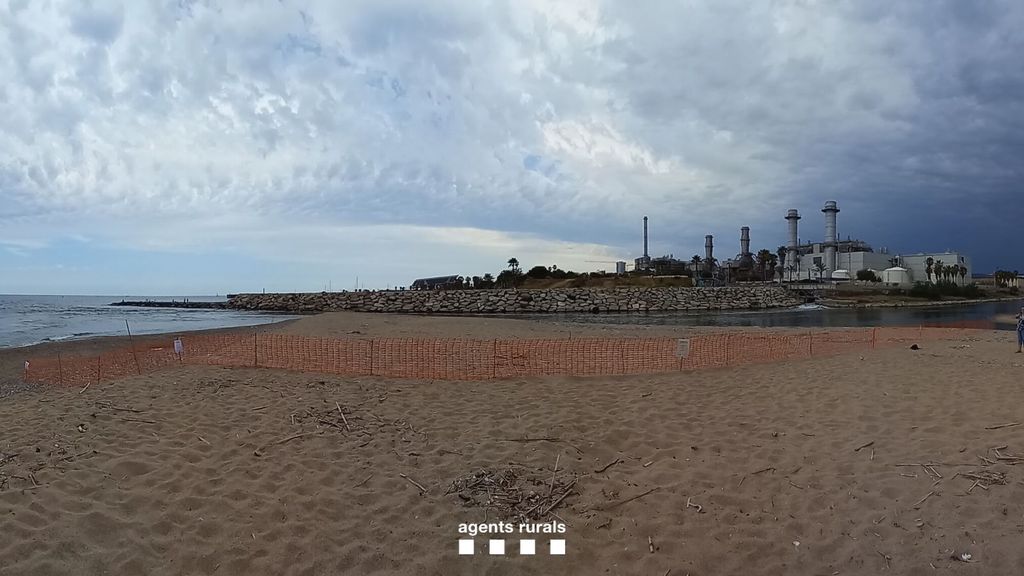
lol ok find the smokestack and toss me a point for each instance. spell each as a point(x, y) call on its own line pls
point(709, 248)
point(645, 236)
point(791, 247)
point(830, 211)
point(745, 241)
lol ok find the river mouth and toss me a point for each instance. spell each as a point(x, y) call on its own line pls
point(804, 316)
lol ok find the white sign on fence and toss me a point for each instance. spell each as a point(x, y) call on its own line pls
point(682, 348)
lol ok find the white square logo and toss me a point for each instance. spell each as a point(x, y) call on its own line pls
point(496, 547)
point(527, 547)
point(465, 547)
point(558, 547)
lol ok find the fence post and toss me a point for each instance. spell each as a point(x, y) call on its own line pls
point(97, 369)
point(132, 341)
point(255, 350)
point(60, 370)
point(873, 335)
point(494, 359)
point(810, 343)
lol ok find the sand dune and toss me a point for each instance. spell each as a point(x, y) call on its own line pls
point(159, 474)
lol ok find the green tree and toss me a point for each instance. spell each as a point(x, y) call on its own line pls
point(513, 264)
point(930, 262)
point(539, 272)
point(819, 267)
point(762, 258)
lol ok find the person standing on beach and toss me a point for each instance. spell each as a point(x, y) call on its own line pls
point(1020, 330)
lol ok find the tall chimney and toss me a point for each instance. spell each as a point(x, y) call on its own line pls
point(745, 241)
point(645, 236)
point(791, 247)
point(830, 211)
point(709, 249)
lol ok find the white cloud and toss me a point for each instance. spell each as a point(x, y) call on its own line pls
point(520, 126)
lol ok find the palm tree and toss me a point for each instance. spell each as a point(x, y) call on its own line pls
point(937, 269)
point(513, 264)
point(963, 275)
point(773, 261)
point(929, 269)
point(696, 260)
point(819, 267)
point(762, 261)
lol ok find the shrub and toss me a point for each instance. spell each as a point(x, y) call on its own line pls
point(539, 272)
point(868, 276)
point(937, 291)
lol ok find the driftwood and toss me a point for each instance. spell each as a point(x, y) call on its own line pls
point(514, 493)
point(607, 466)
point(627, 500)
point(997, 427)
point(259, 451)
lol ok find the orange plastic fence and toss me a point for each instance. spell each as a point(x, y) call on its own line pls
point(462, 359)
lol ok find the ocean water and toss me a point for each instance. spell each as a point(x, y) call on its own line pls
point(28, 320)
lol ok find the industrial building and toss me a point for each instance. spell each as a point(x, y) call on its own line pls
point(438, 283)
point(834, 259)
point(831, 259)
point(917, 265)
point(663, 265)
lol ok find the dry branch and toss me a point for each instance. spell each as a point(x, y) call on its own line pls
point(921, 501)
point(259, 451)
point(137, 420)
point(627, 500)
point(997, 427)
point(607, 466)
point(414, 483)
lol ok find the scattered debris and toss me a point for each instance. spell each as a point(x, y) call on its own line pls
point(689, 504)
point(515, 493)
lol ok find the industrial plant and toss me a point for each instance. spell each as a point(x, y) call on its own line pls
point(830, 260)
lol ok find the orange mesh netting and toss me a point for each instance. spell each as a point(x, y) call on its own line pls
point(463, 359)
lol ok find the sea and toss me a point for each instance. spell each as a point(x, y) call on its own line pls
point(26, 320)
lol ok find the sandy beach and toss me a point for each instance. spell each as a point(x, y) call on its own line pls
point(806, 467)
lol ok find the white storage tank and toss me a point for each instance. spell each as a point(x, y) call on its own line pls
point(897, 276)
point(841, 275)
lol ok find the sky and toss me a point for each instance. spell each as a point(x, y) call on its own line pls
point(193, 147)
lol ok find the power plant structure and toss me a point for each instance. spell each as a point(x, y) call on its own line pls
point(840, 260)
point(832, 259)
point(791, 262)
point(830, 210)
point(662, 265)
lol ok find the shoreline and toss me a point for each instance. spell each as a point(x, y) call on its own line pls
point(836, 305)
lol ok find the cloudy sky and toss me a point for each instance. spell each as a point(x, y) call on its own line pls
point(191, 147)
